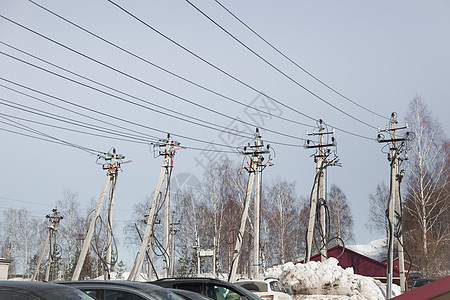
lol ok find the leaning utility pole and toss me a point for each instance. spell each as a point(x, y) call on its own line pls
point(164, 175)
point(112, 164)
point(50, 236)
point(255, 167)
point(317, 202)
point(395, 206)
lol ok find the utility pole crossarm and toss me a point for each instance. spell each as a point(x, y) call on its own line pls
point(318, 194)
point(164, 175)
point(255, 167)
point(54, 220)
point(112, 164)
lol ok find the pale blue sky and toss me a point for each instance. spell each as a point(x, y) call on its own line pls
point(380, 54)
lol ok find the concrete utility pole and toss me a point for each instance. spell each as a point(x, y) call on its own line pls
point(112, 164)
point(54, 220)
point(395, 206)
point(166, 170)
point(255, 167)
point(172, 248)
point(318, 192)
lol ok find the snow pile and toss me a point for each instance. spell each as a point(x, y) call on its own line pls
point(327, 280)
point(376, 249)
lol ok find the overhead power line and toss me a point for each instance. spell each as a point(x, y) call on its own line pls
point(113, 117)
point(54, 117)
point(223, 71)
point(207, 62)
point(296, 64)
point(78, 113)
point(124, 120)
point(120, 98)
point(278, 69)
point(136, 79)
point(166, 70)
point(165, 109)
point(49, 137)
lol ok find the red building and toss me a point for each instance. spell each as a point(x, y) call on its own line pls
point(361, 264)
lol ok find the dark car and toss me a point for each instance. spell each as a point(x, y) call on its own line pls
point(37, 290)
point(122, 290)
point(213, 288)
point(189, 295)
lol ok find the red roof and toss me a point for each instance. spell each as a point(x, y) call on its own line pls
point(439, 289)
point(361, 264)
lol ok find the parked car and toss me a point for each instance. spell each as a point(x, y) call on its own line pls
point(189, 295)
point(421, 281)
point(269, 288)
point(213, 288)
point(37, 290)
point(122, 290)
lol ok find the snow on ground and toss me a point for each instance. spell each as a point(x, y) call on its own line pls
point(375, 249)
point(327, 280)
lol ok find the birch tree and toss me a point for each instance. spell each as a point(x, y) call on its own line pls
point(427, 196)
point(341, 220)
point(378, 201)
point(281, 209)
point(70, 229)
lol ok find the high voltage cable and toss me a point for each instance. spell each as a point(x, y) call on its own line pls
point(109, 87)
point(136, 79)
point(29, 129)
point(96, 119)
point(11, 199)
point(296, 64)
point(83, 148)
point(166, 70)
point(234, 132)
point(114, 117)
point(277, 69)
point(120, 98)
point(207, 62)
point(74, 130)
point(224, 72)
point(69, 121)
point(75, 112)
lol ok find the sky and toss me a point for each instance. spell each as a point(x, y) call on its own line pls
point(193, 70)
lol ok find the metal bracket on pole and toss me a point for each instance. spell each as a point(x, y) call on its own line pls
point(318, 191)
point(54, 220)
point(398, 153)
point(255, 166)
point(112, 164)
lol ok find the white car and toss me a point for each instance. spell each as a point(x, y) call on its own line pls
point(268, 289)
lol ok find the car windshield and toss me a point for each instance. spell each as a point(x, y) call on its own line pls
point(245, 292)
point(276, 286)
point(163, 294)
point(65, 294)
point(254, 286)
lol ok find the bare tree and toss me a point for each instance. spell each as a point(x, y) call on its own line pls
point(70, 229)
point(427, 200)
point(280, 206)
point(376, 220)
point(341, 219)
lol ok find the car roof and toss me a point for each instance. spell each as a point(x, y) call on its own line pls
point(133, 284)
point(190, 278)
point(169, 282)
point(30, 285)
point(39, 289)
